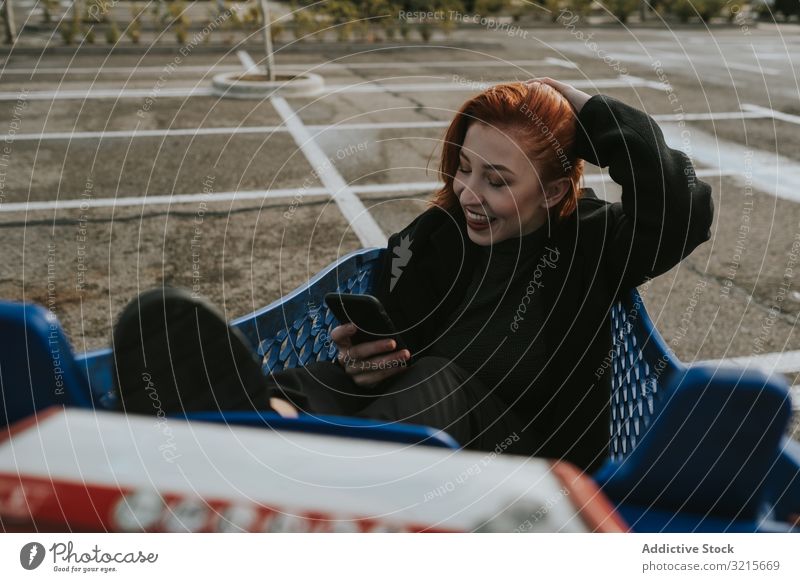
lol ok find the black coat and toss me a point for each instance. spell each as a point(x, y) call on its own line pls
point(603, 250)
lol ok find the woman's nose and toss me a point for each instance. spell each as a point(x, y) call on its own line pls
point(468, 195)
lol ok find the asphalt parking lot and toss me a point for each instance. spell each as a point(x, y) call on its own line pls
point(81, 137)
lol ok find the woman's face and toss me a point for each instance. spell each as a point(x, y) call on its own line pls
point(496, 180)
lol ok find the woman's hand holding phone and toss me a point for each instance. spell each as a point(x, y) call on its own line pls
point(369, 362)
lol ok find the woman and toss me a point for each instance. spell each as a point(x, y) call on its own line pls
point(504, 302)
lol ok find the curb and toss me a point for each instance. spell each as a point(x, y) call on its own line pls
point(295, 83)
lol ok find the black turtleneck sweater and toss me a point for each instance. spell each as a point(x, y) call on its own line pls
point(496, 331)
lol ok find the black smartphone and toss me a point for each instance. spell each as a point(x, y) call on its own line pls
point(367, 313)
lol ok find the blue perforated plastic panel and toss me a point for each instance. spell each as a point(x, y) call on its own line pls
point(639, 365)
point(308, 337)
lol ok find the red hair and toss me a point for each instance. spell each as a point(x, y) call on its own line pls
point(543, 123)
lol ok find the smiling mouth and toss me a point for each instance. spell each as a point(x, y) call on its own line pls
point(480, 218)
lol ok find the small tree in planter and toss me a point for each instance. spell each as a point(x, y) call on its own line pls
point(95, 11)
point(305, 21)
point(235, 18)
point(342, 15)
point(276, 28)
point(229, 24)
point(99, 12)
point(389, 29)
point(683, 10)
point(49, 7)
point(446, 25)
point(491, 6)
point(253, 84)
point(388, 21)
point(379, 17)
point(708, 9)
point(159, 16)
point(91, 16)
point(426, 31)
point(71, 29)
point(267, 20)
point(404, 29)
point(622, 9)
point(576, 7)
point(112, 32)
point(135, 27)
point(180, 20)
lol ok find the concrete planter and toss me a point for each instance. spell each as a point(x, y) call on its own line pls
point(254, 85)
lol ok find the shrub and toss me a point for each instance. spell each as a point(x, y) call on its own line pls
point(683, 10)
point(621, 9)
point(158, 17)
point(48, 8)
point(346, 18)
point(306, 22)
point(135, 27)
point(576, 7)
point(72, 28)
point(491, 6)
point(405, 29)
point(112, 33)
point(425, 31)
point(180, 20)
point(708, 9)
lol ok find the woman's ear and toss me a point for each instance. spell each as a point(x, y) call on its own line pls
point(555, 191)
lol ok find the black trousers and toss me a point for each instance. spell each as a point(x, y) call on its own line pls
point(432, 391)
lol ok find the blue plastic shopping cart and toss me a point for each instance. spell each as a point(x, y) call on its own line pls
point(692, 448)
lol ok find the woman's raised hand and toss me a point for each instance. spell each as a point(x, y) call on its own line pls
point(576, 97)
point(369, 362)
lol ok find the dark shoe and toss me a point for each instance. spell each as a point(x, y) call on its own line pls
point(174, 352)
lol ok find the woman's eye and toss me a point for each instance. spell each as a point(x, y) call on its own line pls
point(496, 184)
point(460, 169)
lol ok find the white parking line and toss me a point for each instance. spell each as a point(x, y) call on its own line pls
point(156, 200)
point(449, 64)
point(494, 63)
point(354, 211)
point(679, 60)
point(780, 362)
point(749, 68)
point(785, 56)
point(121, 70)
point(247, 61)
point(68, 94)
point(175, 199)
point(765, 171)
point(472, 86)
point(561, 63)
point(401, 187)
point(266, 129)
point(700, 173)
point(310, 66)
point(366, 87)
point(767, 112)
point(192, 132)
point(722, 116)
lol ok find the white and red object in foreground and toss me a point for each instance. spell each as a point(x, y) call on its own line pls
point(83, 470)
